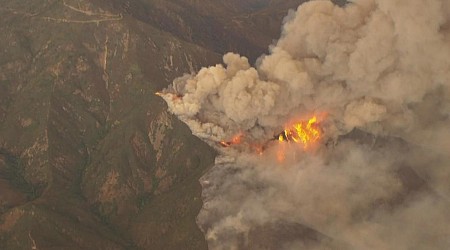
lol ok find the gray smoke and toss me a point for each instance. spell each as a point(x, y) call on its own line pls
point(378, 72)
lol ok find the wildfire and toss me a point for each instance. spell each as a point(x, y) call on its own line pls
point(304, 132)
point(174, 96)
point(237, 139)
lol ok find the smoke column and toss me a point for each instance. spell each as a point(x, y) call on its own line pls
point(377, 72)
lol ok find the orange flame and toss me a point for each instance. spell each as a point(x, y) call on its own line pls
point(304, 132)
point(237, 139)
point(281, 155)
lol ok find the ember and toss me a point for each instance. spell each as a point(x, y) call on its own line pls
point(235, 140)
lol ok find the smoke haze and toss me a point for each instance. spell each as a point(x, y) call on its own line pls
point(377, 72)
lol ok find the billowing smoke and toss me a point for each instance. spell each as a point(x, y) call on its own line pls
point(377, 72)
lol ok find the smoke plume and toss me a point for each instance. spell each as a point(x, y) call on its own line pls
point(377, 73)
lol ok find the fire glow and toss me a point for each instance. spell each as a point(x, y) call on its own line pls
point(235, 140)
point(304, 132)
point(175, 97)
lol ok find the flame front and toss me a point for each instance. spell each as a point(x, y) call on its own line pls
point(237, 139)
point(304, 132)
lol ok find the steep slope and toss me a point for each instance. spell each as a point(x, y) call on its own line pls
point(216, 25)
point(89, 157)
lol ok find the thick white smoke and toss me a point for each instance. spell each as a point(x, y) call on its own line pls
point(380, 178)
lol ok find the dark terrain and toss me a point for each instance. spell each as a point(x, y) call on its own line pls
point(89, 156)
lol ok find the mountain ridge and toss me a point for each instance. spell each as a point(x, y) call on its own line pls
point(89, 155)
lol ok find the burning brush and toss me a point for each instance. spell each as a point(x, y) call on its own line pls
point(305, 132)
point(237, 139)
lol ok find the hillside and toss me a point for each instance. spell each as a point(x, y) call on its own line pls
point(89, 156)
